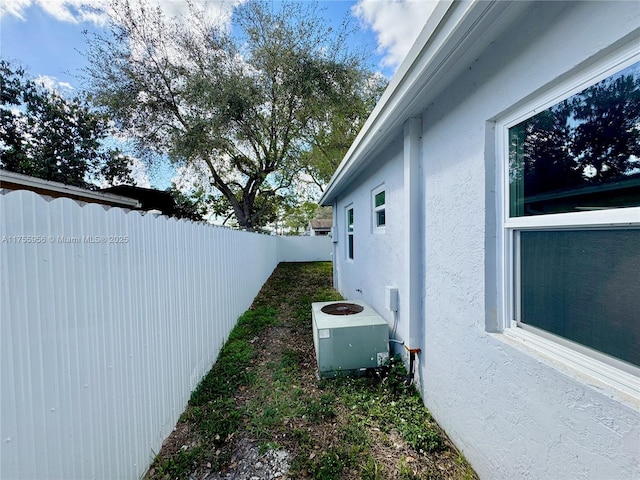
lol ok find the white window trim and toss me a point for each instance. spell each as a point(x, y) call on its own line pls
point(576, 360)
point(349, 233)
point(375, 228)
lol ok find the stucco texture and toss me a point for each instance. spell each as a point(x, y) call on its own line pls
point(511, 412)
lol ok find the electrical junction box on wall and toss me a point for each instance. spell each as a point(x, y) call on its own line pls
point(349, 337)
point(391, 298)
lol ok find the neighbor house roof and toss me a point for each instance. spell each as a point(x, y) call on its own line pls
point(452, 38)
point(321, 223)
point(148, 198)
point(17, 181)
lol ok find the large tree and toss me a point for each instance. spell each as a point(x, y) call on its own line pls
point(45, 135)
point(252, 106)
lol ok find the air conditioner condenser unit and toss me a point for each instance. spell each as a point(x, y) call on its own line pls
point(349, 337)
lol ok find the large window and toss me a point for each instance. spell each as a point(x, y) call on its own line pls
point(572, 218)
point(580, 154)
point(349, 217)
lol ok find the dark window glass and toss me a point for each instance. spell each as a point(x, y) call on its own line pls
point(379, 200)
point(580, 154)
point(380, 218)
point(584, 286)
point(350, 233)
point(351, 246)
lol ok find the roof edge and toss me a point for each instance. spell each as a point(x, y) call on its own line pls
point(451, 27)
point(10, 180)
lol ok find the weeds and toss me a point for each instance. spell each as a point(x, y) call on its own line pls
point(321, 410)
point(386, 401)
point(184, 461)
point(263, 385)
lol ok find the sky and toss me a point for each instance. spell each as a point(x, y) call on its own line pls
point(46, 36)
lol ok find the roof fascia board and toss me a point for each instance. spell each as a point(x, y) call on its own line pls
point(384, 106)
point(446, 34)
point(34, 182)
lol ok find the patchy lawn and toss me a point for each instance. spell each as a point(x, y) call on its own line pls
point(261, 412)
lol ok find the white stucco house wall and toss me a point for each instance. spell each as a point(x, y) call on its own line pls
point(427, 200)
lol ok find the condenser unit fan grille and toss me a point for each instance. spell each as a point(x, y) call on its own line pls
point(342, 309)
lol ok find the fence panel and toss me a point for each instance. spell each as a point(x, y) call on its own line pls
point(304, 249)
point(109, 319)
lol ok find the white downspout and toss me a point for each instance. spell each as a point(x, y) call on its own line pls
point(334, 244)
point(413, 262)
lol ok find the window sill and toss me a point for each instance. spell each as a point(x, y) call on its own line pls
point(606, 379)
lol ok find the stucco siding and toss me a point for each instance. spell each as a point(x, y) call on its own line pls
point(376, 255)
point(514, 413)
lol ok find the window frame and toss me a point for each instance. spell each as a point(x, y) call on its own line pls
point(576, 357)
point(375, 210)
point(349, 231)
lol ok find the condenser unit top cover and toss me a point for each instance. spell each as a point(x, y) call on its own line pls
point(348, 337)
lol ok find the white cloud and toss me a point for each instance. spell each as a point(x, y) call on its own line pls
point(93, 11)
point(74, 11)
point(53, 84)
point(14, 7)
point(396, 23)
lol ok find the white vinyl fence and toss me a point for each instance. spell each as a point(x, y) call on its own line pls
point(304, 249)
point(109, 319)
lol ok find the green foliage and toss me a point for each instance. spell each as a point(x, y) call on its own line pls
point(405, 472)
point(351, 451)
point(387, 400)
point(211, 406)
point(290, 360)
point(329, 465)
point(194, 205)
point(371, 469)
point(253, 322)
point(297, 216)
point(383, 401)
point(343, 124)
point(254, 110)
point(45, 135)
point(322, 410)
point(178, 465)
point(230, 370)
point(283, 405)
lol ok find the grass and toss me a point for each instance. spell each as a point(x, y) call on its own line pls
point(263, 386)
